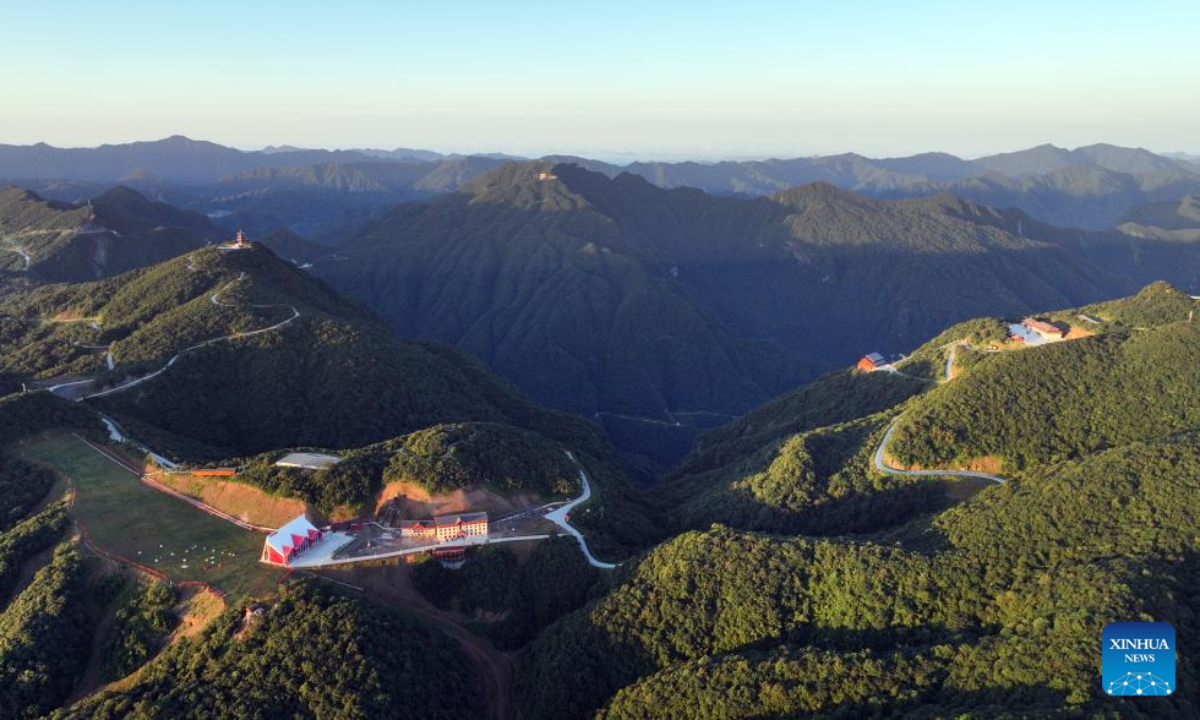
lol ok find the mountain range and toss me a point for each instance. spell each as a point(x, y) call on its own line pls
point(1090, 187)
point(325, 194)
point(660, 311)
point(794, 563)
point(257, 355)
point(811, 582)
point(118, 230)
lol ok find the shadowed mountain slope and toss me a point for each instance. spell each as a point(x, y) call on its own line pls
point(616, 297)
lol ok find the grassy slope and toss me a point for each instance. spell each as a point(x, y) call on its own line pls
point(127, 518)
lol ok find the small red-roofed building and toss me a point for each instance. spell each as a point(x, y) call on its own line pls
point(290, 541)
point(871, 362)
point(1044, 329)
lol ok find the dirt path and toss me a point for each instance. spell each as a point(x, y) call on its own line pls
point(392, 585)
point(90, 680)
point(29, 568)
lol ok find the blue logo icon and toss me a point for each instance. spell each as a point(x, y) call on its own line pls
point(1139, 658)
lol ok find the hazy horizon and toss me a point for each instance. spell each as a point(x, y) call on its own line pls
point(620, 81)
point(609, 157)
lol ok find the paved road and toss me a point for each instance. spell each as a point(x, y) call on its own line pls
point(877, 458)
point(950, 362)
point(215, 299)
point(22, 253)
point(877, 461)
point(559, 516)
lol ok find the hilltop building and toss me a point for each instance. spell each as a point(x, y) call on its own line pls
point(1044, 330)
point(444, 528)
point(290, 541)
point(308, 461)
point(238, 243)
point(872, 362)
point(420, 529)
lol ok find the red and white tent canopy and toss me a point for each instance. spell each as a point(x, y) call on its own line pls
point(290, 539)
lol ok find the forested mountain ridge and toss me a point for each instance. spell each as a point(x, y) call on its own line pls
point(256, 355)
point(329, 201)
point(117, 231)
point(1128, 384)
point(526, 273)
point(614, 297)
point(327, 194)
point(1089, 187)
point(942, 616)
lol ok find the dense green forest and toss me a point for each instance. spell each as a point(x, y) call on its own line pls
point(42, 632)
point(832, 398)
point(951, 615)
point(1059, 401)
point(312, 654)
point(1156, 304)
point(355, 481)
point(31, 413)
point(1020, 569)
point(504, 458)
point(140, 626)
point(28, 538)
point(439, 459)
point(555, 580)
point(815, 482)
point(334, 378)
point(483, 583)
point(22, 486)
point(516, 601)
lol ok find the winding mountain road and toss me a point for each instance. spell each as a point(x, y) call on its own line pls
point(878, 461)
point(559, 516)
point(23, 254)
point(878, 458)
point(215, 299)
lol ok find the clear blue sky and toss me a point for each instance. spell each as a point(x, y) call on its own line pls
point(652, 79)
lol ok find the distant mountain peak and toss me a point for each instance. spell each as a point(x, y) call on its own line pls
point(818, 191)
point(533, 185)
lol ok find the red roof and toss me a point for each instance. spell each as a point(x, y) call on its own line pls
point(461, 519)
point(1043, 327)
